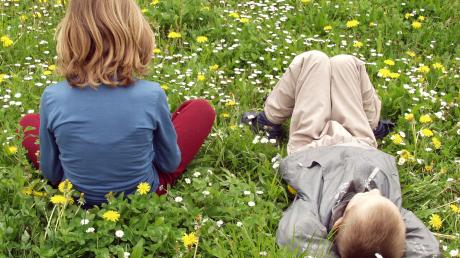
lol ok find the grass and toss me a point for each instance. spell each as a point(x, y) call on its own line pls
point(252, 44)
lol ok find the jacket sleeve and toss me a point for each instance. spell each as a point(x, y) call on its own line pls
point(50, 165)
point(167, 153)
point(300, 229)
point(420, 242)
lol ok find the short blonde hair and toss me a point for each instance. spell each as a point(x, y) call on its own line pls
point(103, 42)
point(370, 230)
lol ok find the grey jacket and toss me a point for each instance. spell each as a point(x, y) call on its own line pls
point(320, 175)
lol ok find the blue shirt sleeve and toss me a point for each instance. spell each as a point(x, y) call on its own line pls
point(50, 164)
point(167, 153)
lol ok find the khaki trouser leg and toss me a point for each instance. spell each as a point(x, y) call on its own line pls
point(355, 104)
point(304, 94)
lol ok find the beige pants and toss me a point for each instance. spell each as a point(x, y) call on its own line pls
point(329, 100)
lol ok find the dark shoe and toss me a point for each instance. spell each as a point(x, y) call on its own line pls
point(383, 129)
point(259, 122)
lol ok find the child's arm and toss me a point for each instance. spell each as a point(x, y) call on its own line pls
point(420, 242)
point(50, 164)
point(167, 153)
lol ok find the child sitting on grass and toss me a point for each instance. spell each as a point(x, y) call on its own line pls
point(103, 129)
point(345, 186)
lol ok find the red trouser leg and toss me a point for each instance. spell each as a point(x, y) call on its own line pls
point(193, 122)
point(31, 136)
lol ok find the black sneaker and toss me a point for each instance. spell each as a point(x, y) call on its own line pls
point(383, 129)
point(259, 122)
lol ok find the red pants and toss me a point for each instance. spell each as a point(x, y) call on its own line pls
point(192, 121)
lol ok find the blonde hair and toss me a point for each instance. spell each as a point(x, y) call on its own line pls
point(103, 42)
point(370, 230)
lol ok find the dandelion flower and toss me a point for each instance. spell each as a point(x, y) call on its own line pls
point(174, 35)
point(156, 51)
point(424, 119)
point(58, 199)
point(190, 239)
point(27, 191)
point(435, 221)
point(416, 25)
point(230, 103)
point(407, 15)
point(52, 67)
point(111, 215)
point(389, 62)
point(394, 75)
point(438, 66)
point(201, 77)
point(6, 41)
point(65, 186)
point(426, 132)
point(143, 188)
point(305, 1)
point(424, 69)
point(421, 18)
point(397, 139)
point(409, 117)
point(201, 39)
point(10, 150)
point(436, 143)
point(214, 67)
point(352, 23)
point(244, 20)
point(358, 44)
point(454, 208)
point(234, 15)
point(410, 53)
point(164, 87)
point(327, 28)
point(155, 2)
point(384, 73)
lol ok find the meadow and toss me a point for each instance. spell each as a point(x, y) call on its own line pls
point(232, 53)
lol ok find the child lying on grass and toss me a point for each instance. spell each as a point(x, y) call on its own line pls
point(345, 186)
point(102, 129)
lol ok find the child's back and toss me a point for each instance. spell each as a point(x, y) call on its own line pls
point(107, 138)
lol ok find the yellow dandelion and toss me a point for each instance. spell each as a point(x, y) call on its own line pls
point(305, 1)
point(6, 41)
point(435, 221)
point(244, 20)
point(405, 154)
point(190, 239)
point(59, 199)
point(214, 67)
point(233, 127)
point(394, 75)
point(436, 143)
point(327, 28)
point(155, 2)
point(41, 194)
point(426, 132)
point(425, 119)
point(156, 51)
point(144, 10)
point(52, 67)
point(292, 190)
point(230, 103)
point(111, 215)
point(11, 150)
point(410, 53)
point(201, 77)
point(416, 25)
point(407, 15)
point(23, 18)
point(47, 72)
point(421, 18)
point(384, 73)
point(143, 188)
point(424, 69)
point(409, 117)
point(174, 35)
point(201, 39)
point(225, 115)
point(438, 66)
point(454, 208)
point(234, 15)
point(358, 44)
point(352, 23)
point(27, 191)
point(397, 139)
point(65, 186)
point(389, 62)
point(2, 77)
point(164, 87)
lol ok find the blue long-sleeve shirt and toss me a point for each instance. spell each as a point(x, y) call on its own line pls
point(108, 139)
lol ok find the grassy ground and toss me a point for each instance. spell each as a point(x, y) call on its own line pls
point(232, 196)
